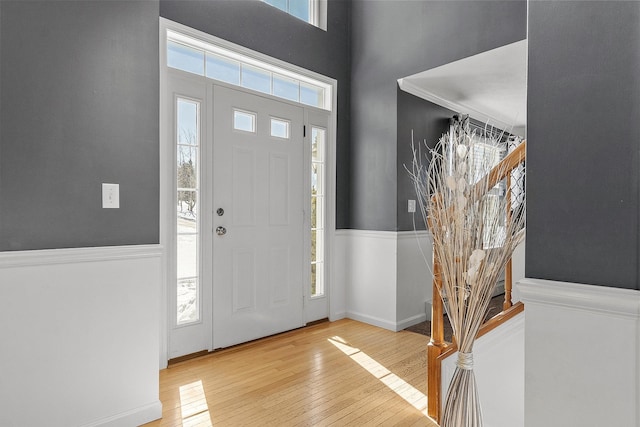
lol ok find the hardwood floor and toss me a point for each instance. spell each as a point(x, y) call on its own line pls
point(344, 373)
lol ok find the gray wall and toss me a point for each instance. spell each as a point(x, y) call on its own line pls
point(584, 138)
point(392, 39)
point(79, 107)
point(427, 122)
point(79, 83)
point(265, 29)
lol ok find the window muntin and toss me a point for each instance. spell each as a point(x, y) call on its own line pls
point(187, 228)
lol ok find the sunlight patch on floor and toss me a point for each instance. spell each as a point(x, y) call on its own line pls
point(410, 394)
point(193, 405)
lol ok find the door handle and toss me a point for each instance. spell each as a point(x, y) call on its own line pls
point(221, 231)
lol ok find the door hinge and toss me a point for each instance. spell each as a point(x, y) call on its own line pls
point(304, 131)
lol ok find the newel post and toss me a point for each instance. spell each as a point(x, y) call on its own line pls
point(436, 346)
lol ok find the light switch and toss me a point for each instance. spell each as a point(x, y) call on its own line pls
point(110, 196)
point(411, 206)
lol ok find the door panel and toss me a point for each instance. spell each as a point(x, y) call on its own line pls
point(258, 265)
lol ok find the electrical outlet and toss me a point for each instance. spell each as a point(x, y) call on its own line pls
point(411, 206)
point(110, 196)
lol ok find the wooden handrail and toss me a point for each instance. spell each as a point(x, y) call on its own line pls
point(486, 327)
point(503, 169)
point(438, 349)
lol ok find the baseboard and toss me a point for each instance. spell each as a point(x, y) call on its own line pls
point(135, 417)
point(375, 321)
point(413, 320)
point(337, 316)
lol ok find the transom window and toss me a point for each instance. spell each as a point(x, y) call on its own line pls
point(214, 62)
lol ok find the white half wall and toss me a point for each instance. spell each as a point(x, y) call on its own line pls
point(370, 277)
point(499, 371)
point(80, 336)
point(582, 354)
point(414, 278)
point(340, 269)
point(383, 277)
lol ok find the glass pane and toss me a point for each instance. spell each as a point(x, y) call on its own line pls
point(317, 144)
point(187, 211)
point(314, 212)
point(319, 246)
point(317, 279)
point(223, 69)
point(187, 297)
point(280, 4)
point(285, 87)
point(317, 180)
point(256, 79)
point(313, 280)
point(311, 95)
point(279, 128)
point(314, 245)
point(317, 212)
point(185, 58)
point(187, 167)
point(187, 254)
point(244, 121)
point(299, 9)
point(187, 122)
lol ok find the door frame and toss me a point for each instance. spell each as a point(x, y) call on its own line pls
point(167, 239)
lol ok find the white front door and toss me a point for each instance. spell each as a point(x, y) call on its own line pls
point(248, 210)
point(259, 204)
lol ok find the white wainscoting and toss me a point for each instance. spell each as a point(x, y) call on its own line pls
point(582, 354)
point(382, 277)
point(80, 336)
point(499, 370)
point(414, 278)
point(339, 269)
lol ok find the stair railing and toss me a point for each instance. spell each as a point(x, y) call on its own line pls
point(438, 349)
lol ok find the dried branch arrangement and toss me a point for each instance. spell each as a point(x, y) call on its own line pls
point(476, 225)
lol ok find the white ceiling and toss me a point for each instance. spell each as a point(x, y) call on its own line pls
point(490, 87)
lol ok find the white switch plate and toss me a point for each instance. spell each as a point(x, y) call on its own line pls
point(110, 196)
point(411, 206)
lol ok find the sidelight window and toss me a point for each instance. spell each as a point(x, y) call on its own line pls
point(187, 203)
point(318, 167)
